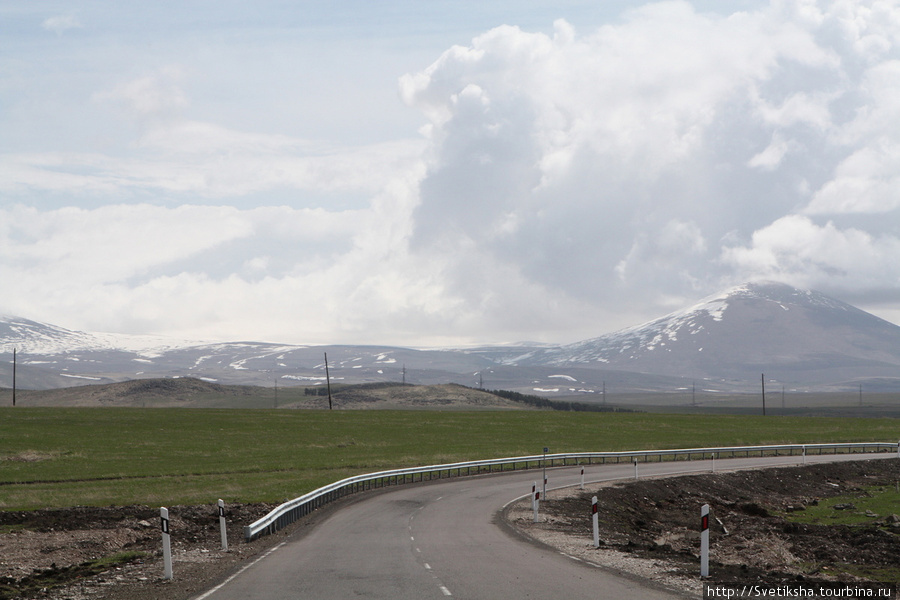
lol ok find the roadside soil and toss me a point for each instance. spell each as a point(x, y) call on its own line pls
point(53, 553)
point(648, 529)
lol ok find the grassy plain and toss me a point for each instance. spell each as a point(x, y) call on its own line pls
point(56, 457)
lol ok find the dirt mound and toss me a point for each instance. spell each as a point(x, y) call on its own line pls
point(752, 537)
point(110, 552)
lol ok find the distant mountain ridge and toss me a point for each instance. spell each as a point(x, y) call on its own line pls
point(742, 331)
point(801, 338)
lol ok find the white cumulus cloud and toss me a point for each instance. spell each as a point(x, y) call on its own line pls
point(567, 180)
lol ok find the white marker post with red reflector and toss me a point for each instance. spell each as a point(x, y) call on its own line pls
point(595, 517)
point(536, 503)
point(166, 542)
point(704, 540)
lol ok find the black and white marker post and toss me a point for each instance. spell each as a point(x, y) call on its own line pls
point(596, 522)
point(704, 540)
point(536, 502)
point(582, 477)
point(166, 542)
point(544, 465)
point(222, 525)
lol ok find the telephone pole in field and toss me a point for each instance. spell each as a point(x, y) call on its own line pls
point(763, 378)
point(328, 381)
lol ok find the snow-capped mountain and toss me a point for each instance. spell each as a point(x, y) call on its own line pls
point(793, 334)
point(803, 338)
point(33, 337)
point(41, 338)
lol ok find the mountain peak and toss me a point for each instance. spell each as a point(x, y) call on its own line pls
point(743, 330)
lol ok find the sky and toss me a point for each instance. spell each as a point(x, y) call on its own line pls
point(440, 173)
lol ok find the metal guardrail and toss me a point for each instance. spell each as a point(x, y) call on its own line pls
point(285, 514)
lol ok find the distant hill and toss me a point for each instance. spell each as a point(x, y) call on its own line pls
point(194, 393)
point(801, 339)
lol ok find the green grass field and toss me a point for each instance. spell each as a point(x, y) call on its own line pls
point(55, 457)
point(878, 500)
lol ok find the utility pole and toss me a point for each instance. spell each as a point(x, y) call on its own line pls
point(694, 393)
point(404, 374)
point(480, 381)
point(328, 381)
point(604, 392)
point(14, 376)
point(860, 395)
point(763, 378)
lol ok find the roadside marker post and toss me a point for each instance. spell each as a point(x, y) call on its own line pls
point(635, 469)
point(533, 490)
point(804, 454)
point(536, 503)
point(713, 459)
point(596, 522)
point(582, 477)
point(222, 528)
point(166, 542)
point(704, 540)
point(544, 469)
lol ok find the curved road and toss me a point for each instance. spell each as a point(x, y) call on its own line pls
point(440, 540)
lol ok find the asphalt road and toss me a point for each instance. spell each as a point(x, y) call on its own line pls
point(441, 540)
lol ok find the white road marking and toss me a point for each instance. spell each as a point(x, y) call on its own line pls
point(446, 591)
point(244, 568)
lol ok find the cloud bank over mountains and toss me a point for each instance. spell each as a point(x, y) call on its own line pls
point(565, 183)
